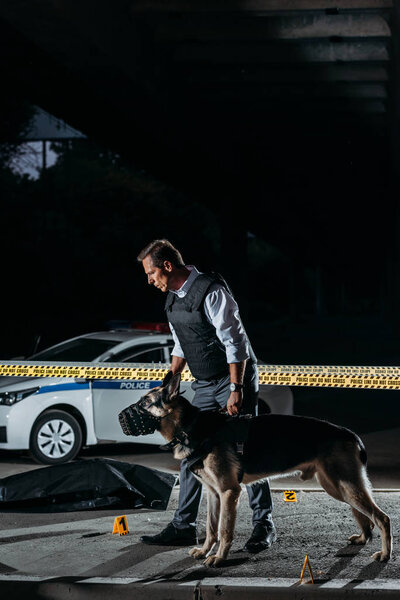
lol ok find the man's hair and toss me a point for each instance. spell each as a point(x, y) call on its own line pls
point(159, 251)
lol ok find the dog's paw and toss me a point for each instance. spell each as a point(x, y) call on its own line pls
point(213, 561)
point(358, 540)
point(381, 556)
point(197, 553)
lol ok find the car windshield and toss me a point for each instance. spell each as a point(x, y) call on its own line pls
point(81, 350)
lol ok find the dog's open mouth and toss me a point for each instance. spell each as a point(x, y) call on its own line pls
point(136, 420)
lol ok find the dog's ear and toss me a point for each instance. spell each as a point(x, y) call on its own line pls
point(172, 388)
point(167, 379)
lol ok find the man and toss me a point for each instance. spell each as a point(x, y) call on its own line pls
point(209, 337)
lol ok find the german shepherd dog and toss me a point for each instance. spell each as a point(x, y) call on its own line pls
point(311, 447)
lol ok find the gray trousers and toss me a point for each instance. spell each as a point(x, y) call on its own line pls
point(211, 395)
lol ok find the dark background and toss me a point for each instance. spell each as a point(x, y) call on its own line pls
point(262, 140)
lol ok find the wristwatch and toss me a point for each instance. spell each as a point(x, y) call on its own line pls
point(236, 387)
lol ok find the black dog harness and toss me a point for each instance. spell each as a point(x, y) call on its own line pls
point(234, 431)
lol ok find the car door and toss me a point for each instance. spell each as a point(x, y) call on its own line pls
point(110, 397)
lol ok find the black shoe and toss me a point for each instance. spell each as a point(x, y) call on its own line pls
point(171, 536)
point(263, 537)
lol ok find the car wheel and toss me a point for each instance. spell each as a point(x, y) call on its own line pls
point(56, 438)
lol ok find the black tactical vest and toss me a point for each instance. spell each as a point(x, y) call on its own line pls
point(204, 352)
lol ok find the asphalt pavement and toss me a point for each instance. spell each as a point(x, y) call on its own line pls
point(75, 554)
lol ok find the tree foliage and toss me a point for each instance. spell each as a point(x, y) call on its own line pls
point(74, 235)
point(16, 115)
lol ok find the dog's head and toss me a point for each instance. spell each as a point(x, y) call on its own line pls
point(144, 417)
point(161, 401)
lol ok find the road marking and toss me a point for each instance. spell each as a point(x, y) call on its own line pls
point(379, 584)
point(374, 584)
point(27, 577)
point(336, 583)
point(260, 582)
point(148, 567)
point(155, 581)
point(246, 581)
point(111, 580)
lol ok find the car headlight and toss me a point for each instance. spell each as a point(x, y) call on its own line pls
point(10, 398)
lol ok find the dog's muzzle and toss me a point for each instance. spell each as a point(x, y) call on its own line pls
point(136, 420)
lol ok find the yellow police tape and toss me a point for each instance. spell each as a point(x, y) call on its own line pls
point(385, 378)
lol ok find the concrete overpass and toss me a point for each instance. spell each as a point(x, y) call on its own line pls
point(290, 105)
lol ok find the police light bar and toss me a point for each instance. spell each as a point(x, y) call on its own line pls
point(160, 327)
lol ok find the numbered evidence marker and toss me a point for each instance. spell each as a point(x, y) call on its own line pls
point(290, 496)
point(306, 564)
point(121, 525)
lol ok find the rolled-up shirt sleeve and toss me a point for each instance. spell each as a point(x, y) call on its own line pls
point(177, 349)
point(223, 312)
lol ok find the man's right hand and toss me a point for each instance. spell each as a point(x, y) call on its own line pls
point(234, 403)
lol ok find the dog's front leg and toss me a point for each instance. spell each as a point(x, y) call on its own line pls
point(213, 509)
point(229, 501)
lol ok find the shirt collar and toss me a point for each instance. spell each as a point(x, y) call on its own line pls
point(183, 290)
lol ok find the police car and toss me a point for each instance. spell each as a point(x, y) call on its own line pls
point(55, 417)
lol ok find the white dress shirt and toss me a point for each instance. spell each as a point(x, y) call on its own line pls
point(222, 311)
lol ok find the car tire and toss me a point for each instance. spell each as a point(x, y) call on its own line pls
point(56, 438)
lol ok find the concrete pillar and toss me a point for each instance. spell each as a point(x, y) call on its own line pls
point(393, 287)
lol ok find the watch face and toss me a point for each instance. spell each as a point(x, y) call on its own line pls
point(235, 387)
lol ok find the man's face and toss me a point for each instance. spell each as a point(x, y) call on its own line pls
point(157, 276)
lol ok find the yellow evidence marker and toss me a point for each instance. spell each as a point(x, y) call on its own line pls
point(290, 496)
point(121, 525)
point(306, 564)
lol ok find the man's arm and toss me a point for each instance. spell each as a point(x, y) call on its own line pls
point(177, 364)
point(235, 400)
point(222, 311)
point(178, 360)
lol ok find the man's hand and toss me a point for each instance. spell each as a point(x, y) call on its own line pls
point(234, 403)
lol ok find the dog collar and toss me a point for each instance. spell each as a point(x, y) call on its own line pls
point(178, 440)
